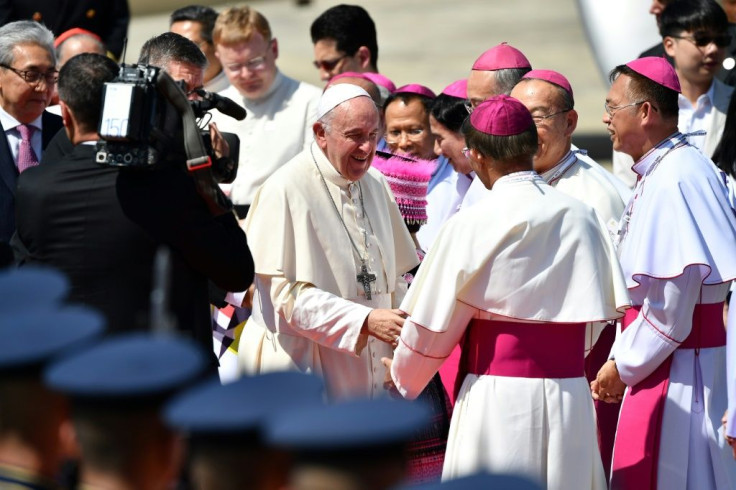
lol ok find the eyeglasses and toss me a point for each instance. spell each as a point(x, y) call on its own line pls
point(540, 119)
point(254, 64)
point(393, 136)
point(329, 65)
point(611, 110)
point(703, 39)
point(34, 77)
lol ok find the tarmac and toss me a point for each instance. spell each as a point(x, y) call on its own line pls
point(434, 42)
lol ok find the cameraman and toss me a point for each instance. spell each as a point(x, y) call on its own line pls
point(103, 225)
point(185, 62)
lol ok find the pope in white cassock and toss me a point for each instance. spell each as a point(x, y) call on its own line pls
point(330, 248)
point(525, 285)
point(677, 246)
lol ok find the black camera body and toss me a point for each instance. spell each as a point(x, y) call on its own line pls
point(146, 119)
point(133, 110)
point(139, 125)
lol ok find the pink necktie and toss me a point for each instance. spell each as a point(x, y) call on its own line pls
point(26, 155)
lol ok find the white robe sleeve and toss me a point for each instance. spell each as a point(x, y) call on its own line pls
point(322, 317)
point(421, 351)
point(665, 321)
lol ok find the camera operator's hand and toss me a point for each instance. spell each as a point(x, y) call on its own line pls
point(219, 145)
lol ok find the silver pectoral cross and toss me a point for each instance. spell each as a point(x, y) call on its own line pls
point(366, 278)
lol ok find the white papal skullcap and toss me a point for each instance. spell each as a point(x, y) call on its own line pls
point(336, 95)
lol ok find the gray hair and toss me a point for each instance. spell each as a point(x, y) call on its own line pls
point(507, 78)
point(326, 120)
point(24, 32)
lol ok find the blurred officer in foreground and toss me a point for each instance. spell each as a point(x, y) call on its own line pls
point(225, 426)
point(355, 445)
point(34, 419)
point(117, 388)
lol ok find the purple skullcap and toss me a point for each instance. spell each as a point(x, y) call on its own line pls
point(657, 70)
point(501, 116)
point(458, 88)
point(501, 57)
point(415, 88)
point(551, 77)
point(381, 80)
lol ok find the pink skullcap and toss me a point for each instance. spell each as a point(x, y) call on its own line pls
point(379, 79)
point(74, 32)
point(551, 77)
point(501, 116)
point(501, 57)
point(408, 178)
point(415, 88)
point(657, 70)
point(457, 89)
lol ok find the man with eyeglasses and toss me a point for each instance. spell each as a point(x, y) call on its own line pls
point(548, 96)
point(727, 74)
point(280, 109)
point(195, 22)
point(344, 39)
point(496, 71)
point(676, 244)
point(27, 79)
point(695, 35)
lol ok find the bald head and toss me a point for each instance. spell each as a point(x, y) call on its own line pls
point(81, 43)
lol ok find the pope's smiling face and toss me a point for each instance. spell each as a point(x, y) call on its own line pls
point(349, 138)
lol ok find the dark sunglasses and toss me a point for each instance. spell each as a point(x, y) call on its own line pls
point(329, 65)
point(703, 39)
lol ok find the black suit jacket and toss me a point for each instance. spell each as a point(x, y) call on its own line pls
point(102, 226)
point(9, 173)
point(107, 18)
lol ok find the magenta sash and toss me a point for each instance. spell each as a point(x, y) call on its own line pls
point(636, 451)
point(606, 414)
point(525, 350)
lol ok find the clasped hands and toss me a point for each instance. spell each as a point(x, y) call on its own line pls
point(607, 385)
point(385, 325)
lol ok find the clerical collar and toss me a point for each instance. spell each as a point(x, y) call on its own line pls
point(328, 170)
point(558, 171)
point(512, 178)
point(644, 164)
